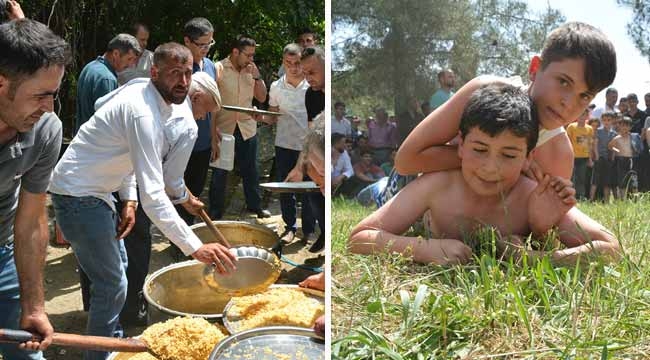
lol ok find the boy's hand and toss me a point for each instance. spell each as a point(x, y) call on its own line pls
point(549, 202)
point(442, 252)
point(534, 171)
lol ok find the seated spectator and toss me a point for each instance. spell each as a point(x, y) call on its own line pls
point(365, 173)
point(362, 145)
point(382, 136)
point(387, 167)
point(341, 163)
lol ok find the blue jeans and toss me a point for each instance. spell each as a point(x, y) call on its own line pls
point(246, 160)
point(10, 305)
point(89, 224)
point(285, 160)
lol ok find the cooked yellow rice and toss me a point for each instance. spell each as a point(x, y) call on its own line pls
point(277, 306)
point(181, 338)
point(143, 356)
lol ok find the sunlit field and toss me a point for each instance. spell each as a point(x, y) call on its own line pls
point(386, 307)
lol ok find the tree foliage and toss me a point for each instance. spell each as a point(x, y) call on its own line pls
point(639, 27)
point(89, 24)
point(395, 48)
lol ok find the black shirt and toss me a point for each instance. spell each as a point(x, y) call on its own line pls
point(314, 102)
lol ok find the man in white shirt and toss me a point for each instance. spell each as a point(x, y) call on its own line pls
point(287, 95)
point(341, 163)
point(144, 130)
point(340, 125)
point(611, 95)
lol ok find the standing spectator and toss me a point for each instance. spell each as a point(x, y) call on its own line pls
point(426, 108)
point(637, 115)
point(646, 99)
point(341, 163)
point(604, 175)
point(340, 125)
point(197, 36)
point(143, 64)
point(410, 118)
point(626, 146)
point(642, 162)
point(287, 95)
point(447, 81)
point(307, 38)
point(581, 137)
point(31, 68)
point(622, 105)
point(611, 95)
point(382, 136)
point(239, 81)
point(99, 77)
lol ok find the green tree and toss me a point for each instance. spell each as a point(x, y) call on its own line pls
point(89, 24)
point(395, 48)
point(639, 27)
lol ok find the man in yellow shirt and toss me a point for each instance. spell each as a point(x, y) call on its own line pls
point(581, 137)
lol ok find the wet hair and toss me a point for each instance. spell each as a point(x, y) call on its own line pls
point(609, 114)
point(169, 51)
point(291, 49)
point(316, 51)
point(197, 27)
point(28, 46)
point(576, 40)
point(242, 42)
point(124, 43)
point(496, 108)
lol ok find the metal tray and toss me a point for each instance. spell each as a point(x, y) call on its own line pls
point(268, 342)
point(257, 269)
point(291, 187)
point(251, 111)
point(233, 323)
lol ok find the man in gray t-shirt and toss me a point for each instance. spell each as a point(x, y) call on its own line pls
point(31, 69)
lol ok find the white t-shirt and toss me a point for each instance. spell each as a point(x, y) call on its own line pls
point(292, 127)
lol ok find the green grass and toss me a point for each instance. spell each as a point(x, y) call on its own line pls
point(387, 307)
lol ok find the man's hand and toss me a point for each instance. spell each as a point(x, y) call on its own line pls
point(193, 205)
point(215, 143)
point(39, 323)
point(253, 70)
point(14, 11)
point(549, 202)
point(217, 255)
point(296, 174)
point(316, 281)
point(319, 326)
point(127, 219)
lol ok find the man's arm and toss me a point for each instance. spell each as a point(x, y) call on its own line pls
point(30, 241)
point(380, 232)
point(424, 150)
point(555, 157)
point(361, 176)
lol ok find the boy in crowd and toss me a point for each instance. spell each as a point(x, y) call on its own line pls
point(604, 172)
point(498, 131)
point(577, 62)
point(625, 146)
point(581, 137)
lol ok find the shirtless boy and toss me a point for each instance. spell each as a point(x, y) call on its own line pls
point(498, 130)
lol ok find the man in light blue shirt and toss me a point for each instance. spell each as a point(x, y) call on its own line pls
point(447, 81)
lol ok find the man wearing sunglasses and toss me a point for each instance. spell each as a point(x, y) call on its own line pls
point(239, 81)
point(197, 36)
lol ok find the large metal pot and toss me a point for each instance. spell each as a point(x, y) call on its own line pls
point(180, 290)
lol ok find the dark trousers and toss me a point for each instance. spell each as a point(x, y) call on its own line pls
point(285, 160)
point(196, 173)
point(246, 160)
point(580, 176)
point(317, 203)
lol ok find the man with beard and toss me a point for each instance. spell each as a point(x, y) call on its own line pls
point(142, 131)
point(447, 80)
point(31, 68)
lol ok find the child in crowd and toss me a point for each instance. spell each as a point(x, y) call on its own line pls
point(498, 132)
point(581, 136)
point(577, 62)
point(604, 172)
point(387, 167)
point(625, 146)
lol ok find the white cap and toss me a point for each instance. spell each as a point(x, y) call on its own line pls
point(207, 83)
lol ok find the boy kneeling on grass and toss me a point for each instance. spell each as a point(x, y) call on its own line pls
point(498, 130)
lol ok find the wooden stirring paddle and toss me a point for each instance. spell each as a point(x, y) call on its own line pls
point(85, 342)
point(213, 229)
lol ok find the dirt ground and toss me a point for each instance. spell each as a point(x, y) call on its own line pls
point(63, 294)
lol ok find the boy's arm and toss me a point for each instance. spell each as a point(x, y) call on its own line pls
point(612, 144)
point(380, 231)
point(424, 148)
point(594, 148)
point(555, 157)
point(552, 198)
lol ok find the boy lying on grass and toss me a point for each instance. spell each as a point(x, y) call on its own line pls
point(498, 130)
point(577, 62)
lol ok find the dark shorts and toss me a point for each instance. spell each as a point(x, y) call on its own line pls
point(623, 170)
point(604, 173)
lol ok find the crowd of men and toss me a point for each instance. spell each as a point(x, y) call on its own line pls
point(147, 126)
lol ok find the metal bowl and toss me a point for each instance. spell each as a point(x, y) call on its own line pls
point(257, 269)
point(238, 233)
point(268, 342)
